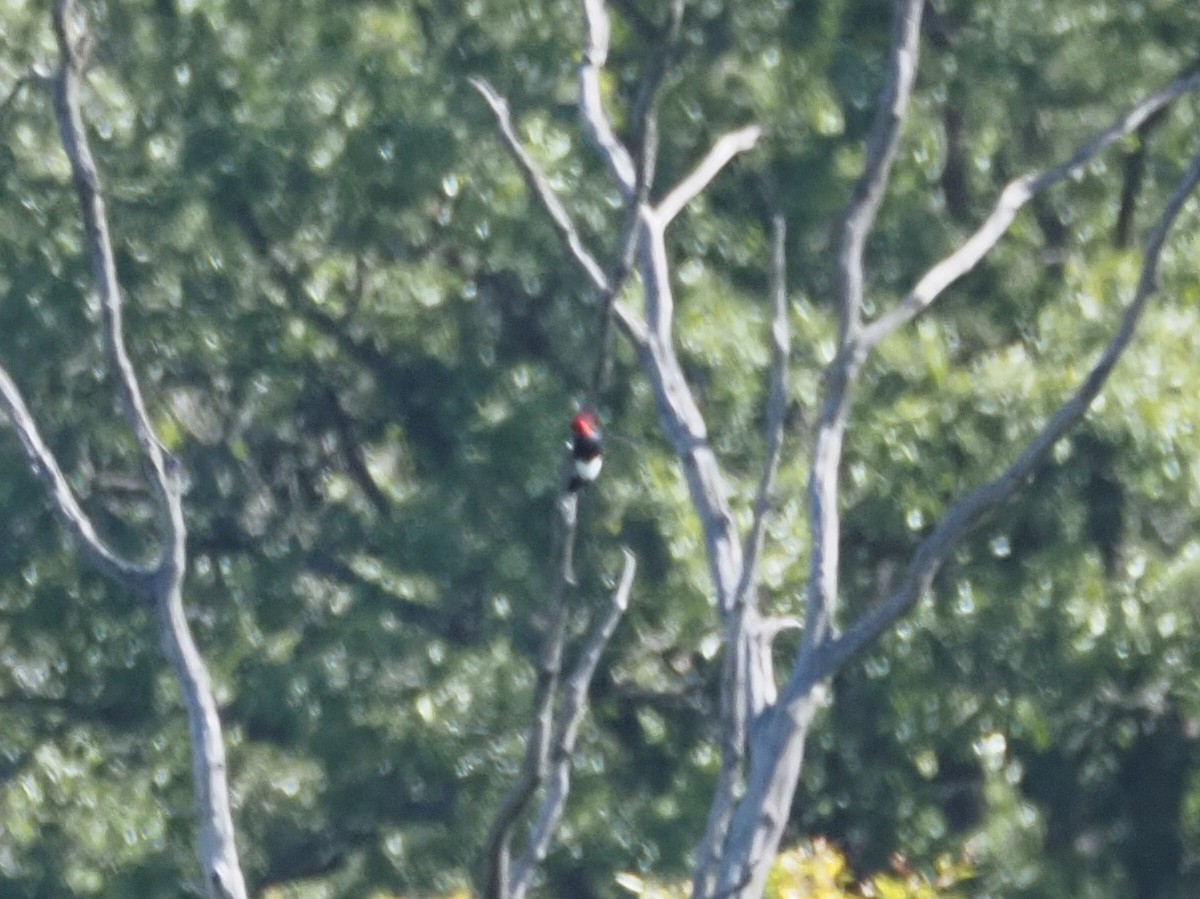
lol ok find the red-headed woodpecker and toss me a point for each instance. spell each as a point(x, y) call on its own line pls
point(587, 452)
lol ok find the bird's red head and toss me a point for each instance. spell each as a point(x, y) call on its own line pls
point(584, 424)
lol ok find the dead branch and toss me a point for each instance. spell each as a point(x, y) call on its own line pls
point(777, 400)
point(1015, 195)
point(882, 144)
point(591, 104)
point(567, 720)
point(163, 583)
point(540, 185)
point(534, 764)
point(934, 549)
point(823, 484)
point(745, 679)
point(758, 821)
point(134, 578)
point(726, 148)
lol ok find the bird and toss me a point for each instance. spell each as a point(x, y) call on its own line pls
point(587, 449)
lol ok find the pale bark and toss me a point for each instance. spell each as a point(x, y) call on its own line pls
point(162, 583)
point(764, 732)
point(558, 711)
point(572, 707)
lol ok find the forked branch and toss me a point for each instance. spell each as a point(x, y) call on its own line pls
point(1016, 194)
point(823, 482)
point(955, 523)
point(550, 740)
point(162, 583)
point(570, 714)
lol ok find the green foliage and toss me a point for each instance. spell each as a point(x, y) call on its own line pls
point(363, 338)
point(817, 870)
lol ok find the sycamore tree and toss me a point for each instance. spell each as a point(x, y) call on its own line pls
point(765, 723)
point(845, 282)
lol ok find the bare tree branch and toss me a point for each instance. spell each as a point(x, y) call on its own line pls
point(747, 681)
point(534, 765)
point(681, 419)
point(754, 795)
point(758, 822)
point(567, 721)
point(934, 549)
point(777, 400)
point(1014, 196)
point(95, 225)
point(726, 147)
point(645, 125)
point(132, 577)
point(823, 484)
point(540, 186)
point(881, 153)
point(591, 103)
point(733, 736)
point(163, 584)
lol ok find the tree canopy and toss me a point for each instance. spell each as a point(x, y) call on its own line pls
point(360, 333)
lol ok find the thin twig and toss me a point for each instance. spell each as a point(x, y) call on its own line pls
point(132, 577)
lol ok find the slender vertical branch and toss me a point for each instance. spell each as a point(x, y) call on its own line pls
point(591, 103)
point(645, 130)
point(882, 143)
point(777, 400)
point(534, 764)
point(95, 226)
point(747, 679)
point(823, 485)
point(566, 725)
point(215, 845)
